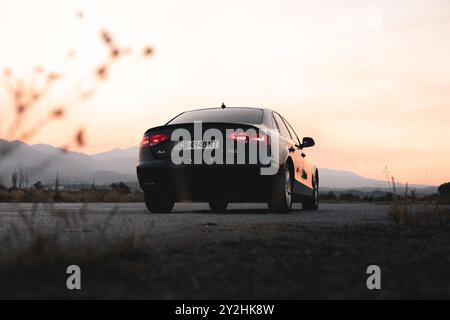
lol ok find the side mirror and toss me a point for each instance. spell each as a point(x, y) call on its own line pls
point(307, 142)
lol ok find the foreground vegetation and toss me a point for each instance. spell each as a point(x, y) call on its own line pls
point(110, 195)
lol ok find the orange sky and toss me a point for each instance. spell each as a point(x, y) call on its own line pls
point(369, 80)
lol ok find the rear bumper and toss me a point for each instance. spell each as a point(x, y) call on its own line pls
point(234, 183)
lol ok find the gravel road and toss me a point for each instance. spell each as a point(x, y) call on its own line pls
point(245, 252)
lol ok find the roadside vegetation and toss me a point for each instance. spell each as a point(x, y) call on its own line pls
point(111, 193)
point(355, 196)
point(412, 214)
point(79, 196)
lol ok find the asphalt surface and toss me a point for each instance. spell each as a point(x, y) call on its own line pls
point(243, 253)
point(123, 219)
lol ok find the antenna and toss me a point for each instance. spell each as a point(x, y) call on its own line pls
point(223, 106)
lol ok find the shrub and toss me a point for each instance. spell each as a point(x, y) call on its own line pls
point(349, 197)
point(38, 186)
point(120, 188)
point(444, 190)
point(328, 196)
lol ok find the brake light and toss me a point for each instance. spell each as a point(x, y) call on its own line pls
point(239, 136)
point(153, 139)
point(260, 138)
point(244, 136)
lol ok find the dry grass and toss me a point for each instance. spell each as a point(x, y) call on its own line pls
point(33, 262)
point(27, 95)
point(33, 255)
point(33, 104)
point(410, 215)
point(82, 196)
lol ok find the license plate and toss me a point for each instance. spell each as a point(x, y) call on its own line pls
point(197, 145)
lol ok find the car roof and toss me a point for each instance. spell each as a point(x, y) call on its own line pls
point(219, 108)
point(265, 111)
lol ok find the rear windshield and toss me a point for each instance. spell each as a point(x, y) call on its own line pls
point(240, 115)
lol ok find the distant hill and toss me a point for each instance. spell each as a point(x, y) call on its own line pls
point(41, 162)
point(119, 160)
point(339, 179)
point(345, 179)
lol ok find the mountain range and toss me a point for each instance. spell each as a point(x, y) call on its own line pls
point(42, 162)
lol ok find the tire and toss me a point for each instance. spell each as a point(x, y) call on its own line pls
point(313, 202)
point(281, 199)
point(156, 203)
point(218, 205)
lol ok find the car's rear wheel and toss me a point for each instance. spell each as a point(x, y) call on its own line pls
point(218, 205)
point(281, 200)
point(312, 203)
point(158, 203)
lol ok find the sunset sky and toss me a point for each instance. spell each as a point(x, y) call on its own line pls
point(369, 80)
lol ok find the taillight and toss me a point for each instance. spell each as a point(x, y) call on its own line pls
point(238, 136)
point(244, 136)
point(153, 139)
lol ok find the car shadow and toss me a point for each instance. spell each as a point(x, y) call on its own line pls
point(238, 211)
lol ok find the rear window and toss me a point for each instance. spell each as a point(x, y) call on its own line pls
point(241, 115)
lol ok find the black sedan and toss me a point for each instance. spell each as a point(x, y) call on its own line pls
point(223, 155)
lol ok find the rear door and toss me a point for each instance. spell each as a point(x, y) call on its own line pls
point(306, 168)
point(291, 145)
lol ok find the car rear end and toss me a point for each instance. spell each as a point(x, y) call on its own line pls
point(200, 181)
